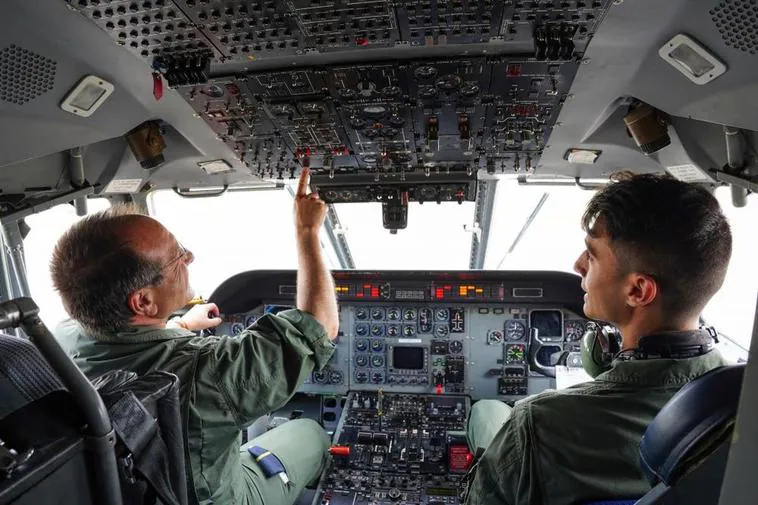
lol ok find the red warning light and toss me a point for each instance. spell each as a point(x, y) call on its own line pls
point(361, 41)
point(374, 292)
point(513, 70)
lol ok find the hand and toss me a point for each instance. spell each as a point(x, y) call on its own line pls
point(200, 317)
point(310, 210)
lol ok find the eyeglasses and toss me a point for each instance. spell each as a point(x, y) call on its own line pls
point(185, 256)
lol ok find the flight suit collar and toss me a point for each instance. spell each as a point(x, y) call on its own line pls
point(661, 371)
point(142, 334)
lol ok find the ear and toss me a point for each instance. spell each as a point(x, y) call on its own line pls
point(143, 302)
point(642, 290)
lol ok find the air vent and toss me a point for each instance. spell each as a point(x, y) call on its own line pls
point(24, 75)
point(737, 21)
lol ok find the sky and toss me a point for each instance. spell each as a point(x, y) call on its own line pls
point(242, 231)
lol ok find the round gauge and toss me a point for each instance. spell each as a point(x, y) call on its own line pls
point(441, 331)
point(514, 330)
point(393, 330)
point(393, 314)
point(409, 314)
point(396, 120)
point(361, 376)
point(469, 89)
point(514, 354)
point(377, 361)
point(456, 346)
point(361, 330)
point(495, 337)
point(574, 330)
point(377, 345)
point(361, 344)
point(377, 314)
point(409, 330)
point(319, 377)
point(377, 330)
point(427, 92)
point(335, 377)
point(237, 328)
point(213, 91)
point(361, 314)
point(425, 72)
point(448, 82)
point(391, 91)
point(441, 315)
point(374, 110)
point(361, 360)
point(250, 320)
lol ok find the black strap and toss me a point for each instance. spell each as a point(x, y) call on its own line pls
point(138, 431)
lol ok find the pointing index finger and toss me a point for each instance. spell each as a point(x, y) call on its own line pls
point(302, 185)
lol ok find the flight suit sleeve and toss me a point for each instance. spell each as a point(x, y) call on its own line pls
point(504, 475)
point(260, 369)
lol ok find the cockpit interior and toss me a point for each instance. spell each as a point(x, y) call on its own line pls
point(398, 106)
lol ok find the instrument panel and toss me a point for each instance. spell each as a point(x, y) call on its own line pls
point(456, 338)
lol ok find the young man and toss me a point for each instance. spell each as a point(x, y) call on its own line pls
point(657, 250)
point(121, 275)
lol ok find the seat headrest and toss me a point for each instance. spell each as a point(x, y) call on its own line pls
point(694, 416)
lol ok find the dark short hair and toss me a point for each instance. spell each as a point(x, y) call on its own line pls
point(94, 270)
point(668, 229)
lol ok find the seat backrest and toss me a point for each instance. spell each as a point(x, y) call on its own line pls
point(44, 459)
point(691, 425)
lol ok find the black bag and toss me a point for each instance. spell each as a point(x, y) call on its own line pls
point(145, 413)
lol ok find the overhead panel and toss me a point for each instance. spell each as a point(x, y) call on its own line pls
point(414, 101)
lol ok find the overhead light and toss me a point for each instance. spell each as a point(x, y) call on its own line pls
point(215, 167)
point(87, 96)
point(691, 59)
point(584, 156)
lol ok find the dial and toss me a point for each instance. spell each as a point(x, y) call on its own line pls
point(448, 82)
point(495, 337)
point(377, 345)
point(456, 346)
point(377, 314)
point(335, 377)
point(237, 328)
point(574, 330)
point(409, 314)
point(392, 91)
point(393, 330)
point(441, 331)
point(441, 315)
point(409, 330)
point(249, 320)
point(393, 314)
point(361, 330)
point(361, 314)
point(377, 330)
point(361, 360)
point(377, 361)
point(514, 330)
point(469, 89)
point(361, 344)
point(361, 376)
point(514, 353)
point(319, 377)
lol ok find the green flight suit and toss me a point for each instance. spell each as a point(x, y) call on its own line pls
point(226, 384)
point(576, 445)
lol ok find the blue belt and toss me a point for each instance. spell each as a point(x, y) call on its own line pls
point(269, 463)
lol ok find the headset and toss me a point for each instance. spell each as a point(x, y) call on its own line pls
point(601, 345)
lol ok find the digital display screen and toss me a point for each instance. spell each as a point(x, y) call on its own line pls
point(549, 323)
point(408, 358)
point(441, 491)
point(87, 97)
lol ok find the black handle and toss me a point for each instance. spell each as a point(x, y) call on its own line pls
point(535, 344)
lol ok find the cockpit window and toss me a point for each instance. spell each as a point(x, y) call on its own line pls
point(732, 310)
point(45, 230)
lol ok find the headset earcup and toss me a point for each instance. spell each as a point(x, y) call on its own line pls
point(593, 359)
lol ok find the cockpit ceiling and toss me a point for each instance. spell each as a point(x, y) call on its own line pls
point(384, 101)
